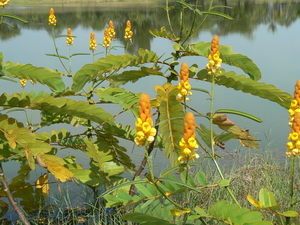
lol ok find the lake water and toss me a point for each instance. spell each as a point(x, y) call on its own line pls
point(266, 32)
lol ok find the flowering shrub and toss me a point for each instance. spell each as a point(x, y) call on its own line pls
point(175, 130)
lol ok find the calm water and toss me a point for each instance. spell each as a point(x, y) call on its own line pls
point(268, 33)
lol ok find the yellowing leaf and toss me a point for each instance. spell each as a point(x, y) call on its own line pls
point(255, 203)
point(43, 183)
point(55, 165)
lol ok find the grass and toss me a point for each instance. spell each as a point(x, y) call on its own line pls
point(248, 174)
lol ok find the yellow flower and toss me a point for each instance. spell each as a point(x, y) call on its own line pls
point(188, 144)
point(184, 85)
point(23, 82)
point(4, 3)
point(52, 18)
point(93, 42)
point(294, 121)
point(106, 38)
point(145, 132)
point(69, 39)
point(128, 31)
point(215, 61)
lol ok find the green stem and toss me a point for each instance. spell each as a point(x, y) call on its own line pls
point(154, 181)
point(211, 108)
point(1, 20)
point(70, 60)
point(56, 50)
point(212, 94)
point(292, 178)
point(169, 20)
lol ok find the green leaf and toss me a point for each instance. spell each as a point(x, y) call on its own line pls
point(58, 56)
point(126, 99)
point(201, 211)
point(240, 113)
point(201, 178)
point(14, 17)
point(224, 183)
point(37, 74)
point(110, 63)
point(172, 130)
point(177, 167)
point(290, 213)
point(62, 106)
point(102, 158)
point(131, 75)
point(247, 85)
point(76, 54)
point(242, 62)
point(217, 14)
point(144, 219)
point(162, 33)
point(267, 198)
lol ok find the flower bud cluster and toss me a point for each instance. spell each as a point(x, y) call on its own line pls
point(109, 34)
point(52, 18)
point(294, 121)
point(145, 131)
point(188, 144)
point(23, 82)
point(4, 3)
point(93, 42)
point(215, 61)
point(111, 30)
point(69, 39)
point(106, 38)
point(128, 31)
point(184, 86)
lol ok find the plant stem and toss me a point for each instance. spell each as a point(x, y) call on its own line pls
point(292, 178)
point(211, 109)
point(169, 20)
point(56, 50)
point(212, 94)
point(144, 161)
point(10, 198)
point(70, 60)
point(1, 20)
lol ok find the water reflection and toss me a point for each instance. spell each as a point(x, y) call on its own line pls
point(247, 16)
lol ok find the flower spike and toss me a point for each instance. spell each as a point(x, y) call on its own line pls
point(52, 18)
point(184, 86)
point(69, 39)
point(215, 61)
point(93, 42)
point(188, 144)
point(128, 31)
point(145, 132)
point(294, 121)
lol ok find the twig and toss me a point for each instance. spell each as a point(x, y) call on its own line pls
point(143, 163)
point(11, 200)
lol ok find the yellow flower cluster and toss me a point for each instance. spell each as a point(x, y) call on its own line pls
point(145, 131)
point(109, 34)
point(111, 30)
point(184, 86)
point(128, 31)
point(294, 121)
point(23, 82)
point(188, 144)
point(4, 3)
point(215, 61)
point(106, 38)
point(52, 18)
point(69, 39)
point(93, 42)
